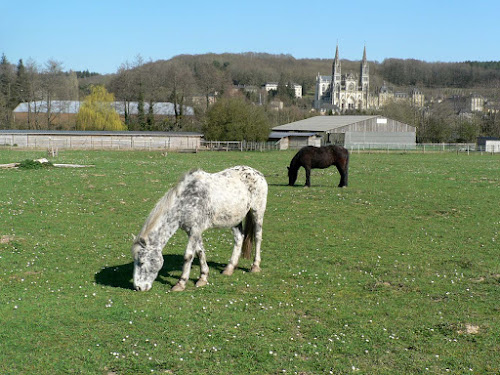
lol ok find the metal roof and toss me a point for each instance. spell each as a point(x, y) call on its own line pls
point(102, 133)
point(73, 106)
point(322, 123)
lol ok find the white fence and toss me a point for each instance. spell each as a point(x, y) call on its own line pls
point(379, 147)
point(419, 147)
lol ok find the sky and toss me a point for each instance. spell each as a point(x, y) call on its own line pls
point(102, 35)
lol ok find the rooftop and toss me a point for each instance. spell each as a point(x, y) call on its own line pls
point(73, 106)
point(102, 133)
point(322, 123)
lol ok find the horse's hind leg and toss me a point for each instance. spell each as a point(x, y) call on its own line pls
point(342, 168)
point(238, 242)
point(259, 219)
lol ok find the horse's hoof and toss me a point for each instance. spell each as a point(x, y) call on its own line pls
point(255, 269)
point(228, 271)
point(201, 283)
point(178, 288)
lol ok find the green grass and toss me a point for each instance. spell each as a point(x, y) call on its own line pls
point(397, 274)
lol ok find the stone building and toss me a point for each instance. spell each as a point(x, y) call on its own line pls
point(475, 103)
point(341, 92)
point(385, 95)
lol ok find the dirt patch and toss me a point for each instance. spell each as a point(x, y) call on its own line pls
point(470, 329)
point(6, 238)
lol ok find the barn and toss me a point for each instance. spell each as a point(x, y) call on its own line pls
point(356, 131)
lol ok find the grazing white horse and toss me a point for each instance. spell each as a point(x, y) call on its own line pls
point(198, 202)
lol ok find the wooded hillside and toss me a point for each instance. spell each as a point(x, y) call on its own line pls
point(198, 80)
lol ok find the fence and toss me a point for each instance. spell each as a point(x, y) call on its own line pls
point(196, 144)
point(238, 146)
point(419, 147)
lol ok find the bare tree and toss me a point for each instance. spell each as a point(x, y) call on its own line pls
point(211, 80)
point(181, 85)
point(51, 79)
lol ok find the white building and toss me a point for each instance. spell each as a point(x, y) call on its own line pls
point(274, 86)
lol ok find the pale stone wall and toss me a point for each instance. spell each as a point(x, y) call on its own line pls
point(101, 142)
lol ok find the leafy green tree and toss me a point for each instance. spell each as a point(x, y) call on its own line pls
point(467, 129)
point(97, 111)
point(236, 119)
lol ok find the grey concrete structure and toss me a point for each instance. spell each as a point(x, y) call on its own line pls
point(101, 140)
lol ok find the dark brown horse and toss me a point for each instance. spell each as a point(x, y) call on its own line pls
point(311, 157)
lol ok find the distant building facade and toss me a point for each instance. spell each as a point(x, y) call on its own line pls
point(297, 89)
point(385, 95)
point(341, 92)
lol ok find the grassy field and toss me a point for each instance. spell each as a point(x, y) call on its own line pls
point(397, 274)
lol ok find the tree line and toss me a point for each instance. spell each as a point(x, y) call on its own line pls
point(198, 81)
point(412, 72)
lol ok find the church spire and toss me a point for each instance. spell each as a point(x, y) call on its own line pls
point(336, 62)
point(365, 78)
point(336, 78)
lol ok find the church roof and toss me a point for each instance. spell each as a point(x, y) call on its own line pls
point(322, 123)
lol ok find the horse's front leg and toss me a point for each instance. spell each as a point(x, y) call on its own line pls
point(191, 249)
point(203, 280)
point(308, 176)
point(238, 242)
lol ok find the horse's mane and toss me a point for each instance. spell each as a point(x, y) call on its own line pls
point(166, 202)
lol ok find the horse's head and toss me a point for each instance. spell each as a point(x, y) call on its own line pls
point(148, 261)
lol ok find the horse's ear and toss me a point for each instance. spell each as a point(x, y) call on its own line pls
point(141, 241)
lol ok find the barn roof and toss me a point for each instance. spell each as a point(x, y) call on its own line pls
point(322, 123)
point(101, 133)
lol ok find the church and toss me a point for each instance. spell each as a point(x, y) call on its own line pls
point(341, 92)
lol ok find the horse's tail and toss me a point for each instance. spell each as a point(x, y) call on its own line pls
point(249, 235)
